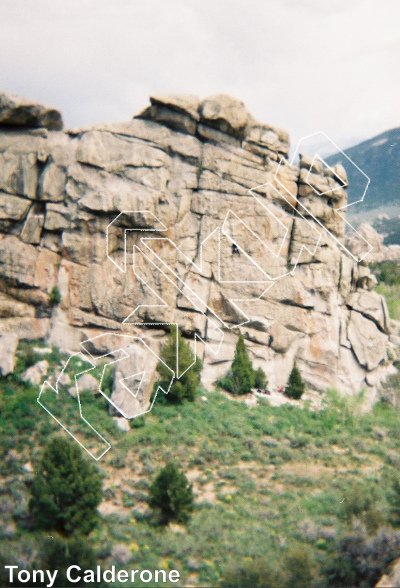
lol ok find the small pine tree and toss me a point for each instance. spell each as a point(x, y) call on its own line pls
point(260, 379)
point(243, 376)
point(184, 388)
point(171, 495)
point(295, 386)
point(66, 490)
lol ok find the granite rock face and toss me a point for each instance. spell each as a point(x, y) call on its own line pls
point(180, 174)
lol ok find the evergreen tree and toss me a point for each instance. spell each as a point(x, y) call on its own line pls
point(171, 495)
point(260, 379)
point(243, 377)
point(66, 490)
point(186, 386)
point(295, 386)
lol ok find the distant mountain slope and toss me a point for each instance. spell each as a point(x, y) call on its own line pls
point(379, 158)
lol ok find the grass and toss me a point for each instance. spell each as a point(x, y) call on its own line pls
point(391, 294)
point(388, 275)
point(256, 500)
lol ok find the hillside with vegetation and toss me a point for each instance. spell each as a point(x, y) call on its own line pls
point(388, 276)
point(283, 496)
point(379, 159)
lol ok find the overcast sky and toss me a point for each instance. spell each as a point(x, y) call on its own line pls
point(304, 65)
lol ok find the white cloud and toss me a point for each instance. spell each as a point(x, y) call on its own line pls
point(305, 65)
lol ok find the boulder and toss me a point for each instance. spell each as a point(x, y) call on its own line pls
point(373, 306)
point(133, 381)
point(225, 113)
point(122, 424)
point(8, 347)
point(28, 467)
point(177, 111)
point(366, 237)
point(392, 578)
point(87, 383)
point(367, 341)
point(281, 338)
point(20, 112)
point(185, 103)
point(36, 373)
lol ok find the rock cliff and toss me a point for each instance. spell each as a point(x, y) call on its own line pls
point(380, 251)
point(209, 254)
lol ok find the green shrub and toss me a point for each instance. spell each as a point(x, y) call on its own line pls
point(360, 503)
point(254, 574)
point(55, 296)
point(360, 560)
point(279, 455)
point(18, 412)
point(390, 390)
point(387, 271)
point(21, 553)
point(137, 422)
point(299, 442)
point(185, 387)
point(260, 379)
point(394, 501)
point(171, 495)
point(374, 520)
point(226, 382)
point(358, 499)
point(65, 490)
point(295, 386)
point(118, 462)
point(107, 382)
point(58, 553)
point(391, 295)
point(295, 570)
point(298, 565)
point(26, 356)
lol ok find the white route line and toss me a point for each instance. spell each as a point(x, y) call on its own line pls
point(46, 386)
point(123, 380)
point(343, 183)
point(197, 302)
point(125, 233)
point(56, 391)
point(336, 210)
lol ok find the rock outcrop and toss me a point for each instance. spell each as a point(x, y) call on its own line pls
point(180, 172)
point(16, 111)
point(380, 251)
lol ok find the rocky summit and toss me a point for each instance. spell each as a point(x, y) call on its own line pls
point(216, 232)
